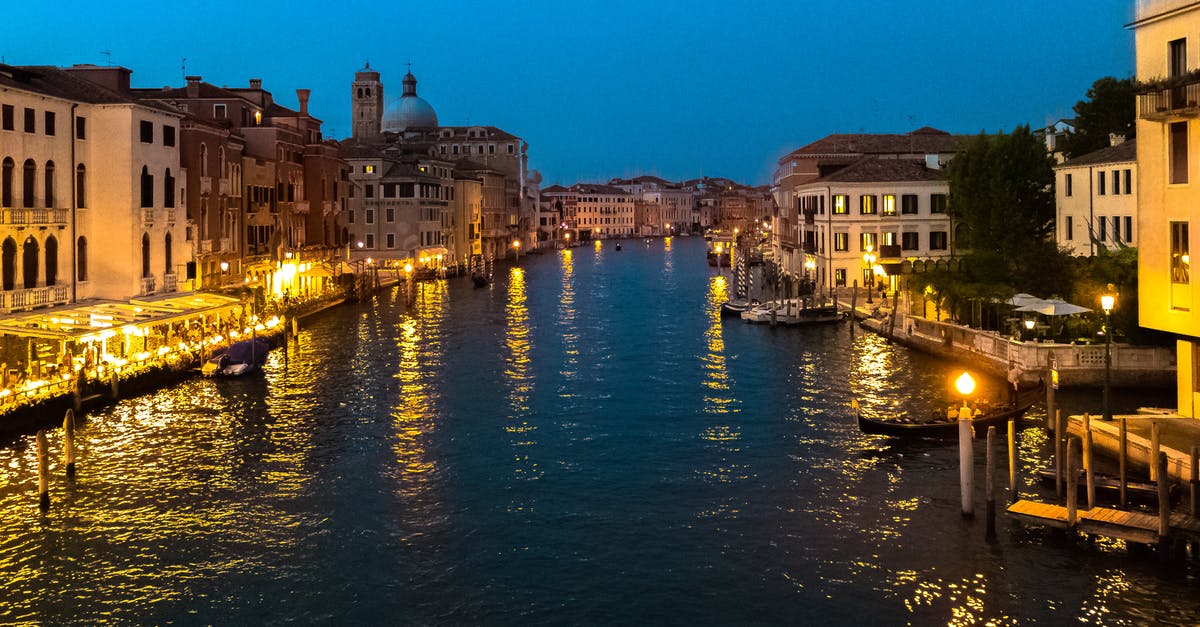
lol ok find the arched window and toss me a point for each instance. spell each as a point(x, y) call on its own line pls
point(29, 263)
point(49, 184)
point(167, 251)
point(147, 188)
point(203, 160)
point(51, 260)
point(360, 92)
point(80, 187)
point(6, 183)
point(145, 255)
point(168, 189)
point(27, 188)
point(8, 264)
point(81, 259)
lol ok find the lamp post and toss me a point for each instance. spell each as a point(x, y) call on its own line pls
point(517, 247)
point(1107, 302)
point(869, 258)
point(1029, 324)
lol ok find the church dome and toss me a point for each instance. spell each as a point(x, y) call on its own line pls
point(410, 111)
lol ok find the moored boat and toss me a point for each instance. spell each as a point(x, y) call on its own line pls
point(238, 359)
point(736, 307)
point(941, 427)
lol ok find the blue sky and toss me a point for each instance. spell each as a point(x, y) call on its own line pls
point(604, 89)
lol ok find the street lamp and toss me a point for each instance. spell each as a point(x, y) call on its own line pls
point(1107, 302)
point(1029, 324)
point(517, 247)
point(869, 258)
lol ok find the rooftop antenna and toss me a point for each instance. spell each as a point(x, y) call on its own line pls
point(183, 68)
point(107, 56)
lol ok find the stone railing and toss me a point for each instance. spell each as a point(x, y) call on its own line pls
point(148, 285)
point(13, 300)
point(35, 217)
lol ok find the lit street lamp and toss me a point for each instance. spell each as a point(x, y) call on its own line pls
point(1107, 302)
point(1029, 324)
point(869, 258)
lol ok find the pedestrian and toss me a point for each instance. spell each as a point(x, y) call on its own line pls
point(1014, 380)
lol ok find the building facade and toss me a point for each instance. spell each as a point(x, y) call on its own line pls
point(1167, 44)
point(1096, 200)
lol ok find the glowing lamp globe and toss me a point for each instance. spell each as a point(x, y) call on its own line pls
point(965, 384)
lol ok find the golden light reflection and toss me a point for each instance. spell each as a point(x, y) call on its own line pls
point(566, 319)
point(517, 371)
point(719, 401)
point(966, 599)
point(415, 417)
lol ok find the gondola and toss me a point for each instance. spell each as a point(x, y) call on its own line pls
point(944, 428)
point(238, 360)
point(481, 280)
point(734, 308)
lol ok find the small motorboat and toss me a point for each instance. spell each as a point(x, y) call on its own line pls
point(736, 306)
point(618, 245)
point(762, 312)
point(238, 359)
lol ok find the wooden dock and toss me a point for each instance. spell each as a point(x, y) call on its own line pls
point(1125, 525)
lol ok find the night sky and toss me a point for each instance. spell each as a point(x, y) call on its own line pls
point(604, 89)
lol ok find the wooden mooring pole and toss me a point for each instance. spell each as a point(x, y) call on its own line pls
point(966, 465)
point(1089, 462)
point(43, 461)
point(853, 306)
point(1051, 417)
point(1164, 500)
point(1060, 439)
point(1154, 450)
point(1072, 484)
point(69, 442)
point(1193, 482)
point(990, 482)
point(1123, 460)
point(1012, 461)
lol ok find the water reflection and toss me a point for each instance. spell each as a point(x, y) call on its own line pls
point(420, 352)
point(566, 321)
point(725, 435)
point(519, 379)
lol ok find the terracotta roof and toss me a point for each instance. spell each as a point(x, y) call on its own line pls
point(923, 140)
point(203, 91)
point(593, 188)
point(53, 81)
point(877, 170)
point(1123, 152)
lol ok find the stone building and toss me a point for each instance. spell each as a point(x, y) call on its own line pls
point(1096, 200)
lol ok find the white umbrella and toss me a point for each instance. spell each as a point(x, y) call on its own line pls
point(1054, 307)
point(1023, 299)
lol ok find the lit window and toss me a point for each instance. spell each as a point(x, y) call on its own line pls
point(866, 204)
point(889, 205)
point(841, 204)
point(1180, 261)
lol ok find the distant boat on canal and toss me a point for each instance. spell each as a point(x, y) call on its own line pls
point(238, 360)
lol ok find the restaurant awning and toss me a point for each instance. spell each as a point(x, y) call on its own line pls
point(77, 321)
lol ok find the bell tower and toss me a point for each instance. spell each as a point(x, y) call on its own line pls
point(366, 104)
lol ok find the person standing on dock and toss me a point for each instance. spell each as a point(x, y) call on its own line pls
point(1014, 381)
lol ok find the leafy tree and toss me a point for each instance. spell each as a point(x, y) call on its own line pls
point(1002, 198)
point(1109, 108)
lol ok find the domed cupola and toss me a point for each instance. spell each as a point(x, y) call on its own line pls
point(410, 111)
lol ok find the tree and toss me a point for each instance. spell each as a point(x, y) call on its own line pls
point(1109, 108)
point(1002, 198)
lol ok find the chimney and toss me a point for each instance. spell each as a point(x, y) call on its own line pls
point(256, 83)
point(1116, 139)
point(931, 162)
point(302, 96)
point(193, 86)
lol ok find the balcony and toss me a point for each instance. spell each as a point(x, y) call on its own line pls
point(170, 281)
point(170, 216)
point(223, 187)
point(206, 246)
point(14, 300)
point(301, 206)
point(206, 186)
point(148, 216)
point(226, 245)
point(35, 217)
point(147, 286)
point(1179, 100)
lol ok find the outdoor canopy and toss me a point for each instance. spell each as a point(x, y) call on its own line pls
point(1052, 307)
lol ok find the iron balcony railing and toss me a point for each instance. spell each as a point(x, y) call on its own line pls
point(1181, 99)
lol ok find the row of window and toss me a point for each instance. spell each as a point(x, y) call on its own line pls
point(938, 240)
point(408, 190)
point(427, 214)
point(28, 183)
point(8, 115)
point(1102, 228)
point(1102, 179)
point(874, 204)
point(427, 238)
point(593, 221)
point(148, 188)
point(146, 133)
point(466, 150)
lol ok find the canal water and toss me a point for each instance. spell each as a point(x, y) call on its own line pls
point(584, 442)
